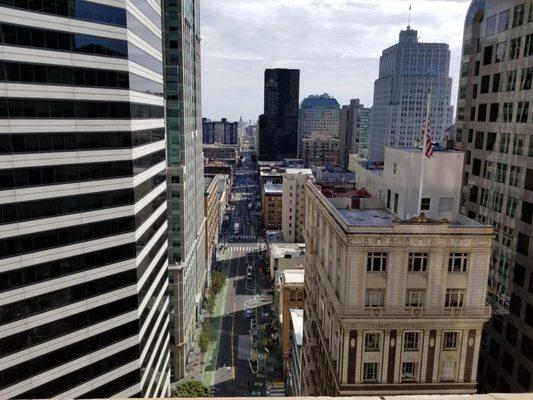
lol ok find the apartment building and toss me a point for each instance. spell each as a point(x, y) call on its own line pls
point(292, 225)
point(320, 150)
point(393, 304)
point(495, 130)
point(83, 214)
point(272, 205)
point(354, 130)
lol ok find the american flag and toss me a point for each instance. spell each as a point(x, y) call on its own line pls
point(428, 150)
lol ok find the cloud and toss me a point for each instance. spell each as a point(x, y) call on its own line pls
point(335, 43)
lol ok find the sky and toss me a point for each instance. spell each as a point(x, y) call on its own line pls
point(336, 44)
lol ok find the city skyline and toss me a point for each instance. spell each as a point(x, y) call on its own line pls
point(350, 48)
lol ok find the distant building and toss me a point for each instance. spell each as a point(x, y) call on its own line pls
point(278, 125)
point(320, 150)
point(394, 304)
point(272, 205)
point(220, 152)
point(319, 114)
point(294, 373)
point(288, 294)
point(219, 131)
point(331, 173)
point(354, 130)
point(407, 70)
point(294, 180)
point(494, 128)
point(285, 256)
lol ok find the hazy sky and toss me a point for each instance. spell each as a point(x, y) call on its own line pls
point(336, 44)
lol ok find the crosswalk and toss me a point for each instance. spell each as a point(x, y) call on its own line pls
point(242, 248)
point(243, 237)
point(277, 390)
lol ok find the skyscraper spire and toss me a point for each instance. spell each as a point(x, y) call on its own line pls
point(409, 18)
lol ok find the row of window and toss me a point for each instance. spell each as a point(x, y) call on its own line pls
point(63, 297)
point(151, 372)
point(46, 74)
point(496, 53)
point(152, 302)
point(23, 36)
point(500, 85)
point(111, 388)
point(33, 242)
point(77, 109)
point(412, 341)
point(410, 371)
point(417, 262)
point(518, 148)
point(43, 272)
point(51, 330)
point(415, 298)
point(145, 7)
point(59, 174)
point(144, 33)
point(77, 141)
point(507, 114)
point(77, 377)
point(65, 354)
point(77, 9)
point(504, 19)
point(151, 325)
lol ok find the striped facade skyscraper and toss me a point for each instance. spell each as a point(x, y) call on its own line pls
point(83, 210)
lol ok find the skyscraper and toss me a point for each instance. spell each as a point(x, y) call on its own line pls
point(318, 114)
point(83, 214)
point(407, 70)
point(354, 130)
point(495, 129)
point(278, 125)
point(187, 261)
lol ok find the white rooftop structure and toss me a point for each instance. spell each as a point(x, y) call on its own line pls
point(273, 188)
point(297, 317)
point(301, 171)
point(292, 277)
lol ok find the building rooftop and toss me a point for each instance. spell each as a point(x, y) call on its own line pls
point(287, 250)
point(292, 276)
point(207, 181)
point(356, 217)
point(436, 148)
point(297, 318)
point(350, 191)
point(320, 101)
point(301, 171)
point(273, 188)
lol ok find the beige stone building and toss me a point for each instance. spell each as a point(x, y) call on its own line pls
point(320, 150)
point(392, 305)
point(294, 180)
point(272, 205)
point(211, 212)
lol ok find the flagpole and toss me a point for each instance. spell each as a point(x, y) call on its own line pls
point(423, 153)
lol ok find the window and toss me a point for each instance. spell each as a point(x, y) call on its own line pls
point(491, 140)
point(512, 204)
point(514, 50)
point(409, 371)
point(447, 371)
point(491, 26)
point(415, 298)
point(481, 113)
point(503, 23)
point(518, 15)
point(454, 298)
point(514, 176)
point(372, 341)
point(499, 55)
point(487, 55)
point(465, 68)
point(450, 340)
point(501, 172)
point(370, 372)
point(496, 82)
point(458, 262)
point(525, 78)
point(511, 81)
point(485, 84)
point(410, 341)
point(507, 239)
point(497, 201)
point(518, 144)
point(375, 297)
point(396, 200)
point(388, 198)
point(376, 262)
point(528, 48)
point(494, 111)
point(504, 142)
point(522, 111)
point(507, 112)
point(417, 262)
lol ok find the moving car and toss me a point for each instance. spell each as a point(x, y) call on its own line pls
point(248, 314)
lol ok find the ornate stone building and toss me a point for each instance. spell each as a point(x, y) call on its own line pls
point(391, 305)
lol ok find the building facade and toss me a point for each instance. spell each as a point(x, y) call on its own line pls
point(495, 129)
point(187, 260)
point(222, 131)
point(212, 215)
point(407, 71)
point(220, 152)
point(278, 125)
point(83, 255)
point(293, 220)
point(319, 114)
point(272, 205)
point(320, 150)
point(296, 330)
point(392, 305)
point(354, 130)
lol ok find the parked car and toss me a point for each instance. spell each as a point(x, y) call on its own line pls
point(248, 314)
point(249, 276)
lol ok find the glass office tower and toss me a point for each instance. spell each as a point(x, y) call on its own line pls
point(83, 211)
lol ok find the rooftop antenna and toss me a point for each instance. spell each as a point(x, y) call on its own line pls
point(409, 18)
